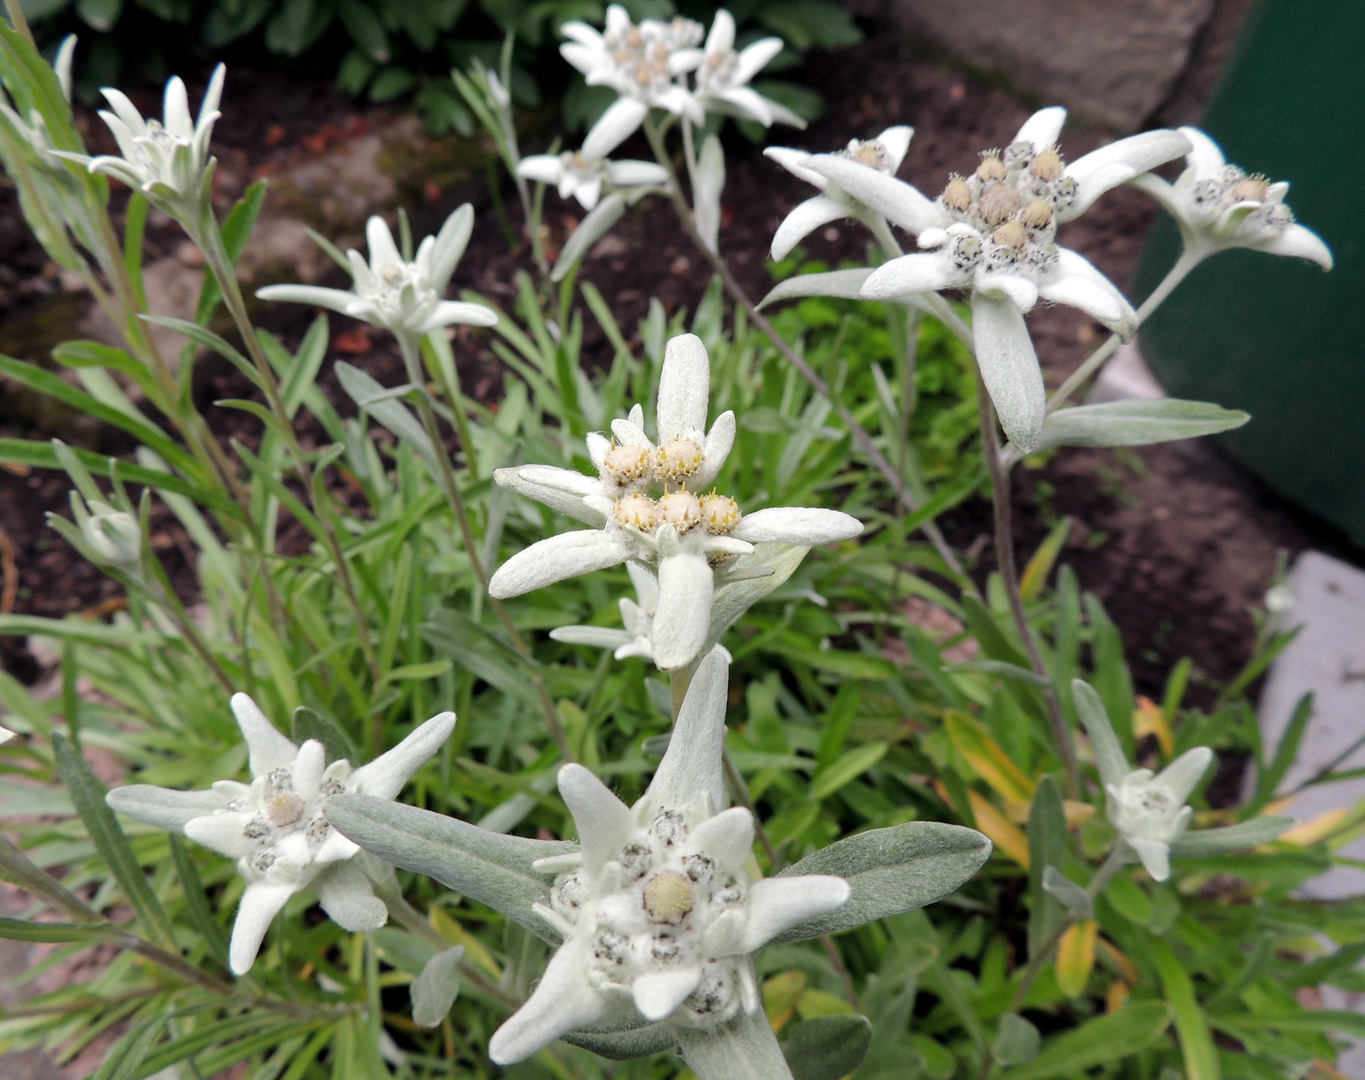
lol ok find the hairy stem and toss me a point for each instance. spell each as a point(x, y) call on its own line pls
point(1009, 576)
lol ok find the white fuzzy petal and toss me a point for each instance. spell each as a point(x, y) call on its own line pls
point(801, 525)
point(223, 832)
point(267, 749)
point(1155, 856)
point(1118, 162)
point(562, 1001)
point(614, 126)
point(658, 993)
point(919, 272)
point(1078, 283)
point(599, 637)
point(748, 103)
point(1300, 242)
point(379, 238)
point(1205, 156)
point(754, 58)
point(719, 441)
point(452, 312)
point(804, 220)
point(385, 776)
point(545, 168)
point(348, 898)
point(331, 299)
point(728, 837)
point(564, 556)
point(560, 489)
point(260, 904)
point(683, 618)
point(894, 199)
point(334, 849)
point(1043, 127)
point(164, 808)
point(636, 174)
point(684, 388)
point(691, 767)
point(721, 38)
point(1184, 773)
point(776, 904)
point(604, 821)
point(897, 142)
point(796, 162)
point(125, 110)
point(1009, 368)
point(450, 245)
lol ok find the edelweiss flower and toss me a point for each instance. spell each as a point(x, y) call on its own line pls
point(641, 63)
point(662, 909)
point(390, 292)
point(1150, 812)
point(583, 178)
point(1218, 206)
point(168, 161)
point(688, 541)
point(881, 156)
point(274, 826)
point(723, 76)
point(115, 535)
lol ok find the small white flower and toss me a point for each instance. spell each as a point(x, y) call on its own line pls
point(879, 157)
point(584, 178)
point(275, 829)
point(662, 909)
point(688, 541)
point(723, 76)
point(641, 63)
point(390, 292)
point(115, 535)
point(1150, 812)
point(168, 159)
point(1219, 206)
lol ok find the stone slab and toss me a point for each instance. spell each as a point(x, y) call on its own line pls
point(1115, 63)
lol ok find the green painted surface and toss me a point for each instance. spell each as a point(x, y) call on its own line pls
point(1277, 336)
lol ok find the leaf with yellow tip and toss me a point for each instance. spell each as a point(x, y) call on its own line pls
point(987, 757)
point(780, 995)
point(456, 934)
point(1308, 833)
point(1077, 813)
point(1006, 836)
point(1149, 719)
point(1117, 997)
point(1041, 563)
point(1076, 957)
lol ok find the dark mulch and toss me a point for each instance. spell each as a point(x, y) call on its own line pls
point(1180, 547)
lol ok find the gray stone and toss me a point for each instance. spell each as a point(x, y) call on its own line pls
point(1115, 63)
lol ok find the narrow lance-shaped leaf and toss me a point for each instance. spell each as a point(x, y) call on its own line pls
point(1106, 1039)
point(489, 867)
point(1137, 423)
point(1070, 895)
point(1047, 849)
point(436, 988)
point(890, 871)
point(1109, 757)
point(1239, 837)
point(590, 230)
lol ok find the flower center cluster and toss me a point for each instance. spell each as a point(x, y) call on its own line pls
point(661, 893)
point(634, 468)
point(282, 818)
point(1009, 205)
point(1218, 194)
point(642, 53)
point(869, 152)
point(396, 289)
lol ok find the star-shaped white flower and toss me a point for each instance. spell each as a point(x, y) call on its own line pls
point(1150, 812)
point(879, 157)
point(275, 829)
point(584, 178)
point(641, 63)
point(1219, 206)
point(394, 294)
point(688, 541)
point(168, 159)
point(724, 74)
point(662, 909)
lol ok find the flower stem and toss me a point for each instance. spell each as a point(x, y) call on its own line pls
point(1188, 261)
point(1009, 576)
point(740, 297)
point(412, 362)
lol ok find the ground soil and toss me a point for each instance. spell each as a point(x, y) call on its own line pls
point(1179, 545)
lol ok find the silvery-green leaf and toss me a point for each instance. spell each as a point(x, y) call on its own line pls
point(1017, 1041)
point(485, 866)
point(311, 724)
point(1047, 849)
point(743, 1049)
point(710, 182)
point(845, 284)
point(1071, 896)
point(623, 1045)
point(1109, 756)
point(1009, 368)
point(738, 595)
point(590, 230)
point(394, 415)
point(436, 988)
point(1137, 423)
point(826, 1047)
point(1239, 837)
point(890, 871)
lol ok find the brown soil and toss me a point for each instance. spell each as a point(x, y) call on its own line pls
point(1180, 546)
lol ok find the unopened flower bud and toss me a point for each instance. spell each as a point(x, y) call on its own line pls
point(719, 513)
point(681, 509)
point(636, 511)
point(1252, 189)
point(991, 167)
point(115, 535)
point(628, 464)
point(669, 897)
point(1046, 165)
point(999, 202)
point(957, 195)
point(870, 153)
point(678, 459)
point(1037, 215)
point(1012, 234)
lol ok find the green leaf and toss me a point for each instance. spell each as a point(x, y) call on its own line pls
point(890, 871)
point(417, 672)
point(1109, 757)
point(237, 229)
point(18, 869)
point(124, 1059)
point(1106, 1039)
point(1047, 850)
point(1196, 1042)
point(846, 769)
point(1137, 423)
point(365, 29)
point(23, 930)
point(197, 901)
point(375, 399)
point(1239, 837)
point(87, 795)
point(436, 988)
point(627, 1043)
point(826, 1047)
point(489, 867)
point(1017, 1041)
point(1070, 895)
point(311, 724)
